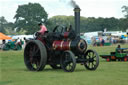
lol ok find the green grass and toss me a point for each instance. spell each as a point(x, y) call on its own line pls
point(14, 72)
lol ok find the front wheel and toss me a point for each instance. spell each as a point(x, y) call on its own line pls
point(68, 61)
point(92, 60)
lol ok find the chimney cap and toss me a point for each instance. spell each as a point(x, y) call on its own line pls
point(77, 9)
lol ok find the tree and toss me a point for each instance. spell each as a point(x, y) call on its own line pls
point(89, 24)
point(3, 22)
point(123, 25)
point(125, 9)
point(28, 17)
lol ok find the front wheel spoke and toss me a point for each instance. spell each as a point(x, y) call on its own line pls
point(68, 61)
point(34, 66)
point(65, 65)
point(89, 56)
point(94, 60)
point(92, 64)
point(38, 64)
point(69, 66)
point(88, 63)
point(94, 56)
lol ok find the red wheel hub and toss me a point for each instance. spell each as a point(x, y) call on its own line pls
point(125, 59)
point(108, 59)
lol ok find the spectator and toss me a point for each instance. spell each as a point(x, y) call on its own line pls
point(25, 41)
point(93, 41)
point(3, 41)
point(17, 40)
point(102, 42)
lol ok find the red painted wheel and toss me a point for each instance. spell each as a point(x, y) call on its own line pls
point(125, 59)
point(108, 59)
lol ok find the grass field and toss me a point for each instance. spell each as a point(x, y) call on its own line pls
point(14, 72)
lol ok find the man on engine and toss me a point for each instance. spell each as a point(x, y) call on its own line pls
point(42, 28)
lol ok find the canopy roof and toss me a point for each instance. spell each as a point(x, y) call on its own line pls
point(4, 37)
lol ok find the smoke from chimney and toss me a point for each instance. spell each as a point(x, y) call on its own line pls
point(73, 4)
point(76, 13)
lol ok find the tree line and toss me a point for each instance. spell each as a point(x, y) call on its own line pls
point(28, 16)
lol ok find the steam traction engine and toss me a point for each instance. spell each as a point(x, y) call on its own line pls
point(61, 49)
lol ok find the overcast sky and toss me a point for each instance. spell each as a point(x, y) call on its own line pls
point(89, 8)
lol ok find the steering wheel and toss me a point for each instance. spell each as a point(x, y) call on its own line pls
point(35, 35)
point(58, 28)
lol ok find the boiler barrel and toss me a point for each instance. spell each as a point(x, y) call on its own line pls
point(77, 46)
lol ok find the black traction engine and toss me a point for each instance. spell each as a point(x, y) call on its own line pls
point(61, 49)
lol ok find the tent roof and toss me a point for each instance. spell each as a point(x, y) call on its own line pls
point(4, 37)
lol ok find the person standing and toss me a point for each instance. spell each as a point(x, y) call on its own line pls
point(102, 42)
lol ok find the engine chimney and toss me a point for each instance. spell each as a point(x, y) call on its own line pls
point(77, 20)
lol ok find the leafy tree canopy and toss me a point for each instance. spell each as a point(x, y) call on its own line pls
point(125, 9)
point(88, 24)
point(3, 22)
point(28, 17)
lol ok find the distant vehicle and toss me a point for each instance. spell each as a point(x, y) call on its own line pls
point(120, 56)
point(12, 45)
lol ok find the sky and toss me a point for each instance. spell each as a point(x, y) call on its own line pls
point(89, 8)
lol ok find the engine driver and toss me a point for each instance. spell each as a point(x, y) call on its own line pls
point(118, 49)
point(42, 28)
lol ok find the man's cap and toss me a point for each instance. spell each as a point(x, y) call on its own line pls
point(40, 24)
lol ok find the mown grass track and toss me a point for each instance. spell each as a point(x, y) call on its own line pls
point(14, 72)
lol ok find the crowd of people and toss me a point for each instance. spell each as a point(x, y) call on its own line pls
point(101, 41)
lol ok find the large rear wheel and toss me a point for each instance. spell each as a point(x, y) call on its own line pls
point(35, 55)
